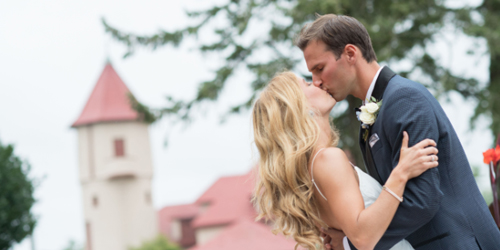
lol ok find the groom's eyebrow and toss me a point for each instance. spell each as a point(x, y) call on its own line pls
point(313, 68)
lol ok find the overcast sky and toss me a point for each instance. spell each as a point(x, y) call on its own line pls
point(51, 55)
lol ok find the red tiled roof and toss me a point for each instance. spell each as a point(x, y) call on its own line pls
point(247, 235)
point(167, 214)
point(229, 186)
point(109, 101)
point(229, 201)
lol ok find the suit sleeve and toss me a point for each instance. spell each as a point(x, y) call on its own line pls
point(411, 110)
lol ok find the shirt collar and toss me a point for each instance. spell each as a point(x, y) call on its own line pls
point(372, 86)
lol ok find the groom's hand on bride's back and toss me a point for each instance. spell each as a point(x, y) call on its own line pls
point(332, 239)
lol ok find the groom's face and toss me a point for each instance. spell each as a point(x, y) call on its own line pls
point(328, 73)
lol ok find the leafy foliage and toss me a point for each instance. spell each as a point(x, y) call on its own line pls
point(16, 198)
point(482, 22)
point(72, 245)
point(400, 30)
point(159, 243)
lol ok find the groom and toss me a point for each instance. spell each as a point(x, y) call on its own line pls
point(442, 208)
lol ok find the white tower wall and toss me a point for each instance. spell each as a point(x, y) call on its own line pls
point(116, 189)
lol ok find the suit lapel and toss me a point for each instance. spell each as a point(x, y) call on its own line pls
point(381, 84)
point(383, 79)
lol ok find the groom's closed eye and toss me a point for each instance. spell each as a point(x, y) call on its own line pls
point(314, 68)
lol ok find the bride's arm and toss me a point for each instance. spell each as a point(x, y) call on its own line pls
point(365, 227)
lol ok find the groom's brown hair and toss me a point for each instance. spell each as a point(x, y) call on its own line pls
point(336, 31)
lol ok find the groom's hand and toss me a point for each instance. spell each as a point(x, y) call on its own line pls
point(332, 239)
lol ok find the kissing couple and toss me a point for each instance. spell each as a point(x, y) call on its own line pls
point(313, 193)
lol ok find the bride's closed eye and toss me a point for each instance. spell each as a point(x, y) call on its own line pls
point(306, 82)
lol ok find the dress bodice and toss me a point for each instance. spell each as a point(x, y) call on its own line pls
point(370, 190)
point(369, 187)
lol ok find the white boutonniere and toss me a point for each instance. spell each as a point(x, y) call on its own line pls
point(367, 114)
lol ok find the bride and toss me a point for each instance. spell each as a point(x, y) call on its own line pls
point(305, 183)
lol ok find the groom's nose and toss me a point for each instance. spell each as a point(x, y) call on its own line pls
point(317, 83)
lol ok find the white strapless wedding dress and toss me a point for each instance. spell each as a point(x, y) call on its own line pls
point(370, 190)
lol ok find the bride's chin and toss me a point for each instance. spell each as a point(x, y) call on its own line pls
point(332, 107)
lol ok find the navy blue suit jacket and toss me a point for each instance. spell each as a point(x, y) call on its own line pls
point(442, 208)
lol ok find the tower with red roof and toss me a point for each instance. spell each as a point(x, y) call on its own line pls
point(115, 168)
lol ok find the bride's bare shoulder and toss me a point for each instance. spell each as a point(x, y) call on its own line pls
point(332, 153)
point(333, 172)
point(331, 157)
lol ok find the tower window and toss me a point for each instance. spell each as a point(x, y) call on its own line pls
point(95, 201)
point(119, 148)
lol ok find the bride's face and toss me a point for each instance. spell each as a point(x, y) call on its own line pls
point(319, 99)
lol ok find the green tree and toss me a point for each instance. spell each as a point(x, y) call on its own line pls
point(159, 243)
point(16, 198)
point(400, 31)
point(482, 22)
point(72, 245)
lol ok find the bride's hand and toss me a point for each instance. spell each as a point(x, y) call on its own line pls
point(415, 160)
point(332, 238)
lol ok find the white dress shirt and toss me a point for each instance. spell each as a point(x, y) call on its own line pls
point(367, 99)
point(372, 86)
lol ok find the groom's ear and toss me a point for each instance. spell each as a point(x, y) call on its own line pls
point(351, 53)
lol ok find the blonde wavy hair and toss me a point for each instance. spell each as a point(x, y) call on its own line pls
point(286, 135)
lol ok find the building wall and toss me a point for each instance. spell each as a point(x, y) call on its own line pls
point(96, 150)
point(204, 235)
point(116, 190)
point(176, 230)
